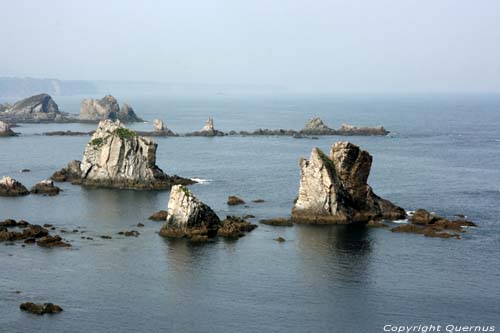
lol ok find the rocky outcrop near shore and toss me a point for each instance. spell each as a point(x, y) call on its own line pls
point(117, 157)
point(334, 189)
point(35, 109)
point(5, 130)
point(95, 110)
point(40, 309)
point(29, 233)
point(189, 217)
point(9, 187)
point(45, 187)
point(316, 126)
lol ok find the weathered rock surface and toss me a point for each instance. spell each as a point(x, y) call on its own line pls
point(34, 109)
point(5, 130)
point(52, 241)
point(234, 227)
point(234, 200)
point(29, 233)
point(117, 157)
point(207, 130)
point(432, 225)
point(9, 187)
point(316, 126)
point(45, 187)
point(94, 110)
point(334, 189)
point(159, 216)
point(278, 221)
point(40, 309)
point(159, 129)
point(349, 130)
point(188, 216)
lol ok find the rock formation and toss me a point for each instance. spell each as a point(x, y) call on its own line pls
point(45, 187)
point(334, 189)
point(315, 126)
point(188, 216)
point(5, 130)
point(365, 131)
point(40, 309)
point(207, 130)
point(10, 187)
point(118, 157)
point(34, 109)
point(94, 110)
point(234, 200)
point(160, 129)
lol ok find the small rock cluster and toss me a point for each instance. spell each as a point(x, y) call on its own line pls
point(9, 187)
point(29, 233)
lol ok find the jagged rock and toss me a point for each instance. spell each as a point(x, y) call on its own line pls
point(69, 173)
point(366, 131)
point(45, 187)
point(40, 309)
point(188, 216)
point(207, 130)
point(5, 130)
point(234, 227)
point(117, 157)
point(233, 200)
point(9, 187)
point(315, 126)
point(334, 189)
point(161, 129)
point(34, 109)
point(95, 110)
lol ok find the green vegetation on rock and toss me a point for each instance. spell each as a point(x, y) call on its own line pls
point(124, 133)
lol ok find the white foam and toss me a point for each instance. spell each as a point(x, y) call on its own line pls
point(400, 221)
point(201, 180)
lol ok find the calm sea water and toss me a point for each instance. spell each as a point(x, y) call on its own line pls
point(442, 155)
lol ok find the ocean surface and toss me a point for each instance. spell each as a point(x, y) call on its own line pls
point(442, 155)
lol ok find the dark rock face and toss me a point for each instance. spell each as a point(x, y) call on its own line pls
point(9, 187)
point(278, 221)
point(159, 216)
point(233, 200)
point(95, 110)
point(69, 173)
point(45, 187)
point(52, 241)
point(34, 109)
point(234, 227)
point(188, 216)
point(40, 309)
point(30, 234)
point(334, 189)
point(431, 225)
point(315, 126)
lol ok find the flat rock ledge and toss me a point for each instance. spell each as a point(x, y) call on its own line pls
point(190, 218)
point(45, 187)
point(429, 224)
point(116, 157)
point(9, 187)
point(334, 190)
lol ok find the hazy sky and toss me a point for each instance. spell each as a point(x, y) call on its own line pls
point(313, 45)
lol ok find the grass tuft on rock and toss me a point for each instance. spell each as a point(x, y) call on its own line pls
point(124, 133)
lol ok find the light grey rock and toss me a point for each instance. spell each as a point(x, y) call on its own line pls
point(38, 108)
point(118, 157)
point(188, 217)
point(94, 110)
point(5, 130)
point(334, 189)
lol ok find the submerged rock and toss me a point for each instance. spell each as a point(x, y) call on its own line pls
point(278, 221)
point(188, 216)
point(5, 130)
point(40, 309)
point(9, 187)
point(334, 189)
point(235, 227)
point(34, 109)
point(52, 241)
point(95, 110)
point(119, 158)
point(233, 200)
point(45, 187)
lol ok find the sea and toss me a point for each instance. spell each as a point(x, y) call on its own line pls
point(442, 154)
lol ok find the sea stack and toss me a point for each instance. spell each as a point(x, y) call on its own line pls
point(9, 187)
point(207, 130)
point(161, 129)
point(119, 158)
point(316, 126)
point(334, 189)
point(34, 109)
point(5, 130)
point(94, 110)
point(189, 217)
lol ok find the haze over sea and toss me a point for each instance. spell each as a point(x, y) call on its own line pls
point(441, 155)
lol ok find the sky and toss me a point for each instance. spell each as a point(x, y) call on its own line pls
point(312, 46)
